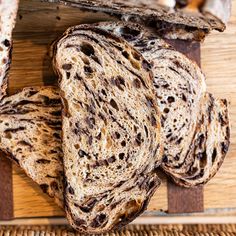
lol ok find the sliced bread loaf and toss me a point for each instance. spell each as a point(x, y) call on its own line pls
point(181, 96)
point(8, 12)
point(153, 47)
point(30, 131)
point(111, 129)
point(170, 23)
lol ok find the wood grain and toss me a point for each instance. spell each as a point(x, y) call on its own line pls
point(38, 27)
point(6, 193)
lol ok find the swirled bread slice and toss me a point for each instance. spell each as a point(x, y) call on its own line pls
point(30, 131)
point(8, 12)
point(168, 22)
point(111, 129)
point(181, 95)
point(209, 145)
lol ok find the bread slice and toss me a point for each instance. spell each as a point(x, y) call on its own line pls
point(210, 144)
point(8, 11)
point(181, 96)
point(111, 129)
point(30, 131)
point(170, 23)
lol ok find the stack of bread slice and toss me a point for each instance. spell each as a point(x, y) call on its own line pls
point(127, 104)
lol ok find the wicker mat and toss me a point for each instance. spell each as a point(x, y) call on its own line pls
point(132, 230)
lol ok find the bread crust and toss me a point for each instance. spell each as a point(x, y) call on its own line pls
point(168, 22)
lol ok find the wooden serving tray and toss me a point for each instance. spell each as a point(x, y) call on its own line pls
point(38, 24)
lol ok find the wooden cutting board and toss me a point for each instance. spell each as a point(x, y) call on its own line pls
point(38, 24)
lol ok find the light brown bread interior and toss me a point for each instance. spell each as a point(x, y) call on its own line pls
point(111, 129)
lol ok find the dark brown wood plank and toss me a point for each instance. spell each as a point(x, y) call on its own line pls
point(191, 49)
point(184, 200)
point(6, 191)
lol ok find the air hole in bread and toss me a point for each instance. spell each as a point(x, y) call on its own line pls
point(179, 140)
point(171, 99)
point(138, 139)
point(66, 67)
point(123, 143)
point(153, 121)
point(165, 158)
point(146, 130)
point(117, 135)
point(152, 42)
point(214, 154)
point(119, 82)
point(82, 153)
point(99, 136)
point(184, 98)
point(224, 147)
point(125, 54)
point(6, 43)
point(67, 75)
point(88, 70)
point(71, 190)
point(137, 83)
point(128, 33)
point(166, 110)
point(87, 49)
point(203, 159)
point(96, 59)
point(114, 104)
point(121, 156)
point(104, 92)
point(165, 86)
point(112, 159)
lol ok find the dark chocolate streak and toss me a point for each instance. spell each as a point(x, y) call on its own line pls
point(15, 130)
point(174, 62)
point(95, 99)
point(112, 57)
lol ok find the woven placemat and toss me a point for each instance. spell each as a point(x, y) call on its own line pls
point(132, 230)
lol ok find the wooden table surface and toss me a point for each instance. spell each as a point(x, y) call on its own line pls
point(38, 24)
